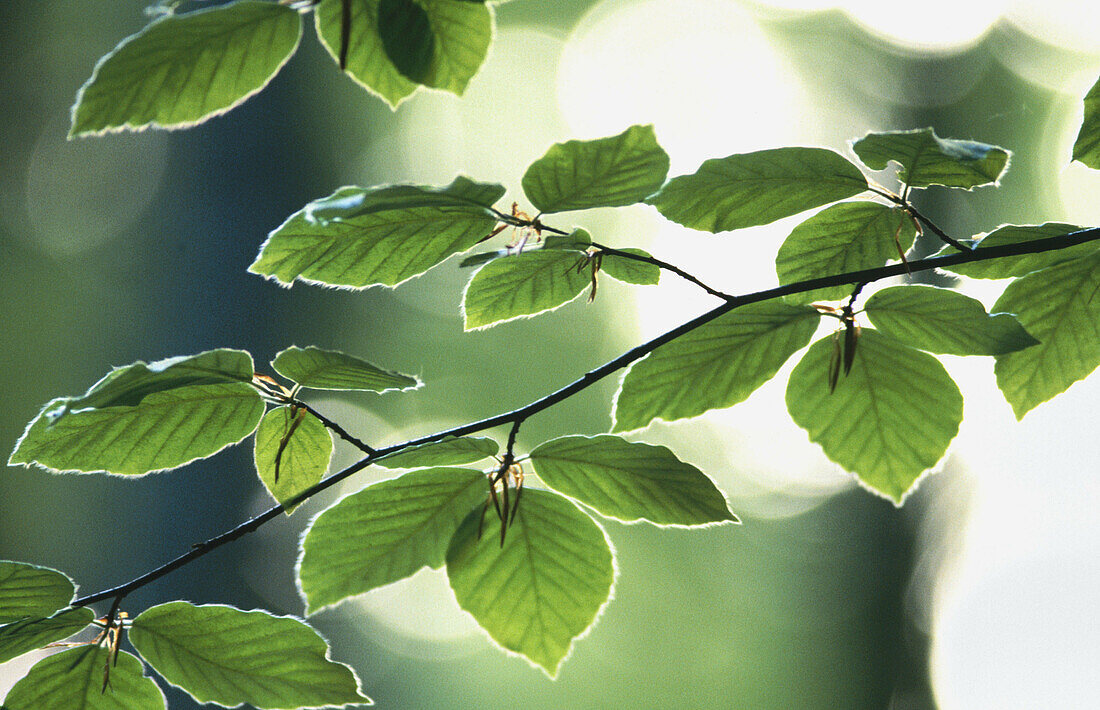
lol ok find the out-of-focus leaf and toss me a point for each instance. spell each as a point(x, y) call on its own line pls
point(449, 452)
point(30, 590)
point(32, 633)
point(1087, 146)
point(321, 369)
point(300, 453)
point(73, 679)
point(523, 285)
point(927, 159)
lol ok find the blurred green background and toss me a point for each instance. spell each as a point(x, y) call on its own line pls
point(135, 247)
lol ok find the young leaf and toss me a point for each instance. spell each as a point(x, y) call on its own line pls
point(940, 320)
point(544, 586)
point(385, 532)
point(630, 481)
point(219, 654)
point(74, 679)
point(927, 159)
point(30, 590)
point(750, 189)
point(32, 633)
point(333, 370)
point(888, 420)
point(1012, 266)
point(846, 237)
point(523, 285)
point(382, 235)
point(630, 271)
point(449, 452)
point(608, 172)
point(714, 366)
point(298, 453)
point(183, 69)
point(1087, 146)
point(144, 418)
point(1060, 307)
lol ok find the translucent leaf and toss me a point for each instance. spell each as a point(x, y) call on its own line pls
point(1087, 146)
point(32, 633)
point(1011, 266)
point(333, 370)
point(73, 680)
point(750, 189)
point(383, 235)
point(144, 418)
point(846, 237)
point(30, 590)
point(299, 453)
point(385, 532)
point(578, 240)
point(630, 481)
point(449, 452)
point(544, 586)
point(1059, 306)
point(183, 69)
point(714, 366)
point(630, 271)
point(406, 34)
point(889, 419)
point(523, 285)
point(926, 159)
point(219, 654)
point(944, 321)
point(607, 172)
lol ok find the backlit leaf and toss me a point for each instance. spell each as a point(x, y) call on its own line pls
point(449, 452)
point(385, 532)
point(73, 680)
point(927, 159)
point(32, 633)
point(406, 34)
point(890, 418)
point(544, 587)
point(30, 590)
point(630, 271)
point(523, 285)
point(302, 453)
point(1087, 146)
point(321, 369)
point(1011, 266)
point(183, 69)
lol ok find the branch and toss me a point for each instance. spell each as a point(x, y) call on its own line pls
point(593, 376)
point(664, 265)
point(336, 428)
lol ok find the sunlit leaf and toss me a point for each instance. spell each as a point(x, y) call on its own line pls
point(523, 285)
point(382, 235)
point(927, 159)
point(543, 587)
point(890, 418)
point(299, 453)
point(750, 189)
point(607, 172)
point(183, 69)
point(32, 633)
point(385, 532)
point(30, 590)
point(406, 34)
point(73, 680)
point(630, 481)
point(449, 452)
point(846, 237)
point(219, 654)
point(714, 366)
point(1060, 308)
point(1087, 146)
point(1011, 266)
point(944, 321)
point(321, 369)
point(629, 270)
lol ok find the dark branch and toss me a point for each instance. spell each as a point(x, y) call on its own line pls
point(666, 266)
point(336, 428)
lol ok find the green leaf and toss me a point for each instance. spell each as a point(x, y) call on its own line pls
point(385, 532)
point(889, 419)
point(183, 69)
point(32, 633)
point(456, 451)
point(382, 235)
point(524, 284)
point(144, 418)
point(940, 320)
point(544, 586)
point(30, 590)
point(219, 654)
point(73, 680)
point(714, 366)
point(608, 172)
point(333, 370)
point(1087, 146)
point(630, 481)
point(630, 271)
point(1012, 266)
point(299, 453)
point(846, 237)
point(926, 159)
point(1059, 306)
point(578, 240)
point(750, 189)
point(459, 34)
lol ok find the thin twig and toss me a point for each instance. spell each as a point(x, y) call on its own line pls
point(664, 265)
point(336, 428)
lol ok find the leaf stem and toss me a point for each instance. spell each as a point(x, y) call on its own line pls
point(664, 265)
